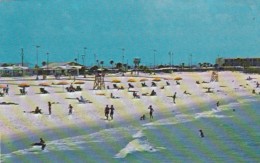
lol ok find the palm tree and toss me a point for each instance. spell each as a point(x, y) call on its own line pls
point(97, 62)
point(119, 65)
point(102, 62)
point(43, 63)
point(111, 62)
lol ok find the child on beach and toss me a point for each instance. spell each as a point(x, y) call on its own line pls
point(37, 111)
point(151, 111)
point(70, 109)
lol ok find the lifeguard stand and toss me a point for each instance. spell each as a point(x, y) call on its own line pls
point(214, 76)
point(99, 82)
point(136, 62)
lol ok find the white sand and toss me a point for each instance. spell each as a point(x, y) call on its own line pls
point(14, 122)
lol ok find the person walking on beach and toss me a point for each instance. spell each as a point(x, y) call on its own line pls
point(112, 111)
point(106, 111)
point(49, 106)
point(151, 111)
point(70, 109)
point(7, 89)
point(174, 97)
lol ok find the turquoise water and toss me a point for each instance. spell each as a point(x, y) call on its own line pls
point(230, 136)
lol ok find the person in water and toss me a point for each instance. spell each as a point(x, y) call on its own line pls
point(201, 134)
point(41, 143)
point(217, 104)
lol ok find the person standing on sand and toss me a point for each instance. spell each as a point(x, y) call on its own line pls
point(49, 106)
point(6, 89)
point(106, 111)
point(70, 109)
point(174, 97)
point(151, 111)
point(112, 111)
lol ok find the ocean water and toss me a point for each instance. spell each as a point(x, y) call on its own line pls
point(232, 134)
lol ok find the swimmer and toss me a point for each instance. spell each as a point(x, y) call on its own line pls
point(201, 133)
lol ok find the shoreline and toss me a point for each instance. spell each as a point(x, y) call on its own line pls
point(89, 117)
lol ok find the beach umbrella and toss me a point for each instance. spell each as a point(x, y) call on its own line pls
point(157, 79)
point(144, 79)
point(79, 82)
point(44, 84)
point(24, 85)
point(116, 81)
point(62, 83)
point(178, 78)
point(131, 80)
point(2, 86)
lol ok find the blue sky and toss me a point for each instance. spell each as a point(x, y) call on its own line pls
point(203, 28)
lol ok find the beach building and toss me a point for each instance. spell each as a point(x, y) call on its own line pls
point(13, 70)
point(64, 68)
point(243, 62)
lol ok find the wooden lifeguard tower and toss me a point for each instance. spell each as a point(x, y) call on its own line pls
point(214, 76)
point(136, 68)
point(99, 82)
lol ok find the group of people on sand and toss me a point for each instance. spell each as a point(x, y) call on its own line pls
point(39, 111)
point(109, 111)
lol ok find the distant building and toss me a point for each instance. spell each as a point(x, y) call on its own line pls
point(243, 62)
point(8, 71)
point(62, 68)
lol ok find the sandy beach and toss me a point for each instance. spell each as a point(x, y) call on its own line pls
point(16, 119)
point(17, 123)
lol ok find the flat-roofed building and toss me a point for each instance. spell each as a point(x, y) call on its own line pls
point(244, 62)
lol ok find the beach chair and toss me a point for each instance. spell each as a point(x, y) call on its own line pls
point(78, 88)
point(153, 93)
point(23, 92)
point(43, 91)
point(115, 86)
point(130, 85)
point(143, 84)
point(154, 84)
point(1, 94)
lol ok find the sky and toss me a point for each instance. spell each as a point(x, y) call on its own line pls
point(147, 29)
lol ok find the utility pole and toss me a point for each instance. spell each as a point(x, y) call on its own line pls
point(47, 62)
point(123, 51)
point(95, 57)
point(123, 55)
point(154, 51)
point(85, 54)
point(37, 59)
point(83, 60)
point(190, 61)
point(22, 55)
